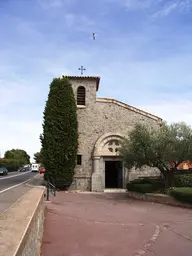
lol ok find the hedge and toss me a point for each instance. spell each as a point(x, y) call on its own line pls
point(140, 181)
point(140, 188)
point(182, 194)
point(145, 185)
point(183, 180)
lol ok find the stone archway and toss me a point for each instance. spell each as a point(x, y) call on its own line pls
point(106, 147)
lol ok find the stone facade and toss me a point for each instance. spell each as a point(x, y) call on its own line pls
point(102, 123)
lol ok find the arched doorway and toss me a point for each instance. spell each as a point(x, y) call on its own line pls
point(108, 169)
point(113, 174)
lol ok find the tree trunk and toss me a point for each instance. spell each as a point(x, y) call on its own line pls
point(168, 178)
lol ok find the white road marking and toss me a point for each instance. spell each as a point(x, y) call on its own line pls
point(2, 191)
point(13, 204)
point(12, 176)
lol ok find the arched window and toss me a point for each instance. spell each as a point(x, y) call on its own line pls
point(81, 95)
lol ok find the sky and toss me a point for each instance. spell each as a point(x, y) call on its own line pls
point(142, 52)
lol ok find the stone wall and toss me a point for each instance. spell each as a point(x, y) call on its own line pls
point(22, 225)
point(144, 171)
point(158, 198)
point(98, 117)
point(82, 179)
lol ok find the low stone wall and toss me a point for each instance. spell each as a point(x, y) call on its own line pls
point(21, 226)
point(144, 171)
point(158, 198)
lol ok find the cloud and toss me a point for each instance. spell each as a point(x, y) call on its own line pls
point(54, 3)
point(78, 22)
point(20, 134)
point(166, 10)
point(132, 4)
point(142, 61)
point(156, 9)
point(16, 93)
point(137, 4)
point(169, 7)
point(21, 108)
point(174, 110)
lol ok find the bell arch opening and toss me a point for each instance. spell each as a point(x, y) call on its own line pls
point(81, 96)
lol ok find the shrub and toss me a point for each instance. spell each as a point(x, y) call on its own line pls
point(60, 133)
point(182, 194)
point(145, 185)
point(140, 188)
point(140, 181)
point(183, 180)
point(11, 164)
point(147, 181)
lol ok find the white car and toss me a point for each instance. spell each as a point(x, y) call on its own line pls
point(35, 167)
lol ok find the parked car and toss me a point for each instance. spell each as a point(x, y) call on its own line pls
point(41, 170)
point(3, 171)
point(27, 167)
point(22, 169)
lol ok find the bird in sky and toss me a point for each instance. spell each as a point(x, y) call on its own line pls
point(93, 35)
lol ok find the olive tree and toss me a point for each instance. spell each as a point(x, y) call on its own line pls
point(158, 148)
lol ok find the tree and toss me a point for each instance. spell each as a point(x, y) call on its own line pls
point(38, 157)
point(158, 148)
point(60, 133)
point(18, 154)
point(11, 164)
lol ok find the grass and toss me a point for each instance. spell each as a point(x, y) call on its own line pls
point(183, 194)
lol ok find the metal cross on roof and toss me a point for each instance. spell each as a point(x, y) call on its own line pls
point(82, 69)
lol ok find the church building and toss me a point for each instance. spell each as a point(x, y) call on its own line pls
point(102, 124)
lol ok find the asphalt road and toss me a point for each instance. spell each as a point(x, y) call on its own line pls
point(10, 174)
point(15, 185)
point(15, 178)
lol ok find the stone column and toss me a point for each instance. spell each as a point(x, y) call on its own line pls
point(97, 184)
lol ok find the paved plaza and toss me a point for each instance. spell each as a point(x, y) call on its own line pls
point(107, 224)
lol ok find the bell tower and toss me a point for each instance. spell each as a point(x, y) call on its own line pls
point(85, 89)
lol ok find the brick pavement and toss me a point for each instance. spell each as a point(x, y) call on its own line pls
point(83, 224)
